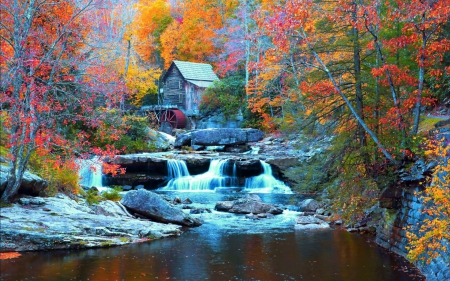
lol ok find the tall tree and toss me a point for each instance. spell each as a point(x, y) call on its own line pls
point(193, 34)
point(153, 17)
point(48, 81)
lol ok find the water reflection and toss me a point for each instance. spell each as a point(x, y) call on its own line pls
point(325, 255)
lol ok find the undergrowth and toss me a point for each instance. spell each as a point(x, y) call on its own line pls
point(93, 197)
point(112, 194)
point(61, 175)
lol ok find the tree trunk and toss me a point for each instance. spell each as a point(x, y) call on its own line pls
point(349, 104)
point(395, 100)
point(125, 71)
point(247, 49)
point(417, 107)
point(377, 102)
point(358, 85)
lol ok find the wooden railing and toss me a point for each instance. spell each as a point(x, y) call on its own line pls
point(158, 107)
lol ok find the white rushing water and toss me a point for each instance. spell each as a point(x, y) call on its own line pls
point(176, 169)
point(216, 176)
point(265, 182)
point(90, 172)
point(221, 174)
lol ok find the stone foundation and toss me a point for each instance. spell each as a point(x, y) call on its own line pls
point(391, 234)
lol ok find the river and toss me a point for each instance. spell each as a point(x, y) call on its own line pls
point(225, 247)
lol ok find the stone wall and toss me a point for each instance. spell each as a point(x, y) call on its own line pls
point(391, 234)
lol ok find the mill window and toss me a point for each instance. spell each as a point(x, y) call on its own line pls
point(175, 84)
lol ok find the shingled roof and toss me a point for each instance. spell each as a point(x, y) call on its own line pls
point(193, 71)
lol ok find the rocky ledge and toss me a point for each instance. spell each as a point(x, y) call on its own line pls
point(60, 222)
point(150, 169)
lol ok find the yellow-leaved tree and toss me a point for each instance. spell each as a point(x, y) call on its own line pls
point(433, 235)
point(141, 82)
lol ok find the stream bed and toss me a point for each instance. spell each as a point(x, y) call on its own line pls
point(225, 247)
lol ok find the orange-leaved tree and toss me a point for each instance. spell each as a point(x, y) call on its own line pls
point(193, 33)
point(152, 18)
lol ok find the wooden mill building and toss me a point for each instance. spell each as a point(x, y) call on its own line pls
point(183, 84)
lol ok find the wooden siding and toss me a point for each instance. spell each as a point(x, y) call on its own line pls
point(193, 97)
point(174, 95)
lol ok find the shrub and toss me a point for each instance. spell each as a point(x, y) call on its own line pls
point(309, 176)
point(135, 139)
point(226, 96)
point(3, 133)
point(112, 194)
point(92, 197)
point(253, 120)
point(61, 175)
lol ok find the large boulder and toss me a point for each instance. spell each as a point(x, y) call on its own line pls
point(254, 135)
point(282, 162)
point(219, 136)
point(310, 222)
point(244, 206)
point(161, 140)
point(224, 206)
point(110, 208)
point(183, 139)
point(153, 206)
point(31, 183)
point(309, 205)
point(249, 204)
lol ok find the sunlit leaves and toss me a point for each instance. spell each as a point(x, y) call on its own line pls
point(141, 82)
point(430, 239)
point(153, 17)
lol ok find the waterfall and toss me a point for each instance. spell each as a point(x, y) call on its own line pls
point(218, 175)
point(90, 172)
point(221, 174)
point(177, 169)
point(265, 182)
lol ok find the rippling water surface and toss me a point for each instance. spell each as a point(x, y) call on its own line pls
point(225, 247)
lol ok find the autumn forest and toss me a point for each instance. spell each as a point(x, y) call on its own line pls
point(374, 75)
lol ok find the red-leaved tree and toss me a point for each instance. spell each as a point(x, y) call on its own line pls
point(50, 81)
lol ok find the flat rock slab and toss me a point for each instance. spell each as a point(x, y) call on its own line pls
point(219, 136)
point(63, 223)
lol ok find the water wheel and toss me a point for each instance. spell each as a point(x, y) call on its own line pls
point(175, 118)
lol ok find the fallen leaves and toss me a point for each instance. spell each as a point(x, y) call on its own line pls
point(9, 255)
